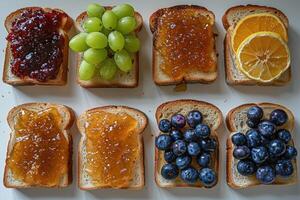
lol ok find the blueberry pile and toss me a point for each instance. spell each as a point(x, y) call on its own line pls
point(183, 140)
point(265, 150)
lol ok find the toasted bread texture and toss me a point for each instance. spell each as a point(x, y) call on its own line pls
point(236, 122)
point(230, 19)
point(212, 116)
point(195, 76)
point(67, 117)
point(121, 80)
point(85, 182)
point(61, 78)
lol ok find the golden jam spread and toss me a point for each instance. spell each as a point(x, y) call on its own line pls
point(41, 152)
point(112, 148)
point(186, 42)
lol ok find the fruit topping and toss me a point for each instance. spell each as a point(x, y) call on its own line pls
point(169, 171)
point(189, 175)
point(207, 177)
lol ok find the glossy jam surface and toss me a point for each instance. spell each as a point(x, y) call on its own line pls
point(36, 45)
point(112, 148)
point(41, 152)
point(186, 43)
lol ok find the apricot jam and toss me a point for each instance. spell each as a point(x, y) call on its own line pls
point(186, 43)
point(36, 44)
point(112, 148)
point(41, 152)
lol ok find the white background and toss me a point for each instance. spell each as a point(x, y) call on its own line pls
point(147, 97)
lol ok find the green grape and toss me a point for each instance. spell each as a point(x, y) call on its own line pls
point(126, 25)
point(108, 69)
point(96, 40)
point(116, 41)
point(132, 43)
point(92, 24)
point(123, 10)
point(86, 71)
point(95, 10)
point(106, 31)
point(77, 43)
point(110, 20)
point(123, 60)
point(95, 56)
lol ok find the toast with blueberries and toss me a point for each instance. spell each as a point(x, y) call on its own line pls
point(260, 147)
point(187, 147)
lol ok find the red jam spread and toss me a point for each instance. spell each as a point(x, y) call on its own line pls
point(112, 148)
point(36, 44)
point(41, 152)
point(186, 42)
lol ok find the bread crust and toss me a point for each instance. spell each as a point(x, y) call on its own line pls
point(140, 130)
point(229, 146)
point(115, 83)
point(153, 23)
point(61, 78)
point(180, 103)
point(71, 117)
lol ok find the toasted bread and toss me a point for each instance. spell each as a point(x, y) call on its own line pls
point(121, 80)
point(212, 117)
point(194, 76)
point(230, 19)
point(85, 182)
point(236, 122)
point(61, 78)
point(67, 117)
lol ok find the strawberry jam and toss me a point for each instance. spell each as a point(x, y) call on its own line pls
point(36, 44)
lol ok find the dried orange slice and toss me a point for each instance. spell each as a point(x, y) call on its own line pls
point(257, 23)
point(263, 56)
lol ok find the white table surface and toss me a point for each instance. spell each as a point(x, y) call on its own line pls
point(147, 97)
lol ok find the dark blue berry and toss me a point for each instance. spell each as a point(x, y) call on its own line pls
point(189, 135)
point(183, 161)
point(176, 135)
point(193, 149)
point(178, 121)
point(284, 168)
point(202, 131)
point(163, 142)
point(189, 175)
point(169, 156)
point(264, 141)
point(259, 154)
point(284, 135)
point(207, 177)
point(277, 147)
point(278, 117)
point(164, 125)
point(204, 159)
point(290, 153)
point(241, 152)
point(208, 145)
point(252, 124)
point(194, 118)
point(267, 129)
point(169, 171)
point(253, 138)
point(239, 139)
point(265, 174)
point(255, 113)
point(246, 167)
point(179, 147)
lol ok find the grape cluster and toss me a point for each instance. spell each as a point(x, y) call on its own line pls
point(108, 42)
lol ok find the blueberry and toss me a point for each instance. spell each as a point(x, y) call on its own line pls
point(202, 131)
point(284, 135)
point(252, 124)
point(189, 135)
point(255, 113)
point(241, 152)
point(179, 147)
point(267, 129)
point(183, 161)
point(163, 142)
point(278, 117)
point(189, 175)
point(276, 147)
point(178, 121)
point(204, 159)
point(207, 177)
point(208, 145)
point(238, 139)
point(253, 138)
point(284, 168)
point(169, 156)
point(259, 154)
point(193, 149)
point(164, 125)
point(176, 135)
point(265, 174)
point(264, 141)
point(290, 153)
point(246, 167)
point(169, 171)
point(194, 118)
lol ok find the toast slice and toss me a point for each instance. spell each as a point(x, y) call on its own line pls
point(67, 119)
point(121, 80)
point(236, 122)
point(61, 78)
point(230, 19)
point(85, 181)
point(158, 28)
point(212, 116)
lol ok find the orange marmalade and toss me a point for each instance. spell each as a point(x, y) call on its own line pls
point(41, 152)
point(186, 43)
point(112, 148)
